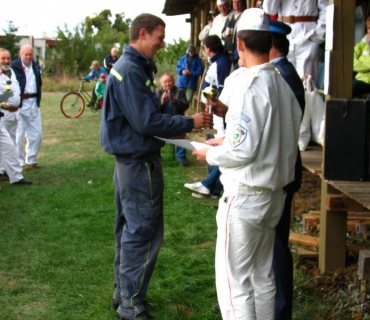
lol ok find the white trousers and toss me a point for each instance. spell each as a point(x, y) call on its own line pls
point(8, 156)
point(304, 58)
point(245, 239)
point(29, 126)
point(10, 123)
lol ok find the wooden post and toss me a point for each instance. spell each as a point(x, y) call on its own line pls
point(333, 225)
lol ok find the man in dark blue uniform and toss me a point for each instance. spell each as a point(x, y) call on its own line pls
point(282, 260)
point(130, 120)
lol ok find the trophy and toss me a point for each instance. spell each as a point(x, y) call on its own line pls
point(210, 93)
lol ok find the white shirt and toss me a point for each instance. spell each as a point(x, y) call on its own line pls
point(29, 106)
point(15, 100)
point(301, 31)
point(263, 120)
point(217, 26)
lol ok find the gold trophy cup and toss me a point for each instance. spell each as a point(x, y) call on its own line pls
point(210, 93)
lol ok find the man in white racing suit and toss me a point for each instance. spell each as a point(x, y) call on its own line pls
point(256, 159)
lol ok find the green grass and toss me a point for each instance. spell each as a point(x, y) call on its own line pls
point(56, 236)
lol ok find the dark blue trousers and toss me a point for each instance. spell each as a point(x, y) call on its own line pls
point(282, 264)
point(138, 230)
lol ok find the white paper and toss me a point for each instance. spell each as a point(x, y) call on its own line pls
point(327, 73)
point(5, 96)
point(189, 145)
point(329, 36)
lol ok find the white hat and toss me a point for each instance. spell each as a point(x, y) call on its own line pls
point(253, 19)
point(221, 2)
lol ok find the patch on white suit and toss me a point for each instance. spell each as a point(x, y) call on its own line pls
point(239, 134)
point(241, 116)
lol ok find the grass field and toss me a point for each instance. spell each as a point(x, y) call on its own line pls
point(56, 236)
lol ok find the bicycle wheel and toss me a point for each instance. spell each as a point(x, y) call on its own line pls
point(72, 105)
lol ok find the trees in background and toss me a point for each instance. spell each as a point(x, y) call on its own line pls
point(92, 40)
point(11, 41)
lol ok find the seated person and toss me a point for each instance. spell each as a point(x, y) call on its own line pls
point(173, 101)
point(96, 71)
point(361, 65)
point(100, 89)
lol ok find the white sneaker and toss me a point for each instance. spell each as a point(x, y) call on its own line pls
point(197, 187)
point(301, 146)
point(202, 196)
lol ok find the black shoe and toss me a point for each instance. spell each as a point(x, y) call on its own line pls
point(141, 316)
point(217, 308)
point(23, 182)
point(115, 305)
point(4, 177)
point(89, 105)
point(183, 163)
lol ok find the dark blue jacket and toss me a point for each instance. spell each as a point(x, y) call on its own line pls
point(290, 75)
point(223, 63)
point(184, 81)
point(131, 116)
point(17, 67)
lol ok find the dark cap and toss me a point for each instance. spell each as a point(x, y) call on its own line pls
point(279, 27)
point(191, 47)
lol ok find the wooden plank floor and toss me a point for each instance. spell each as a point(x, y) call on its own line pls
point(356, 190)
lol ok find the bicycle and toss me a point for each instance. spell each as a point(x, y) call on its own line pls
point(73, 104)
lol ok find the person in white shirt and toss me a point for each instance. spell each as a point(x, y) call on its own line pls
point(257, 159)
point(10, 168)
point(28, 74)
point(219, 22)
point(307, 18)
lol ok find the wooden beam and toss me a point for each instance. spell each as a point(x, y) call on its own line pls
point(342, 203)
point(333, 224)
point(304, 240)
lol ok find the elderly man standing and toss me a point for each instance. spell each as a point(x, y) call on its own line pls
point(111, 59)
point(189, 68)
point(307, 18)
point(219, 21)
point(9, 119)
point(8, 106)
point(229, 31)
point(131, 120)
point(28, 74)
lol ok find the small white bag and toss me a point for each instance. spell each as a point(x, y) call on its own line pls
point(313, 116)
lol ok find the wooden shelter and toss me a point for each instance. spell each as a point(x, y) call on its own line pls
point(333, 225)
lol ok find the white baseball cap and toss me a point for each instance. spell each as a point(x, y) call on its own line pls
point(253, 19)
point(221, 2)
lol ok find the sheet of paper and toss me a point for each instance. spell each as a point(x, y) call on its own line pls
point(190, 145)
point(5, 96)
point(329, 35)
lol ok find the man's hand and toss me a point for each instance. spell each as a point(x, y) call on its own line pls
point(218, 108)
point(215, 141)
point(200, 154)
point(202, 120)
point(164, 97)
point(8, 108)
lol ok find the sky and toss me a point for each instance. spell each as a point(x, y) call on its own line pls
point(41, 18)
